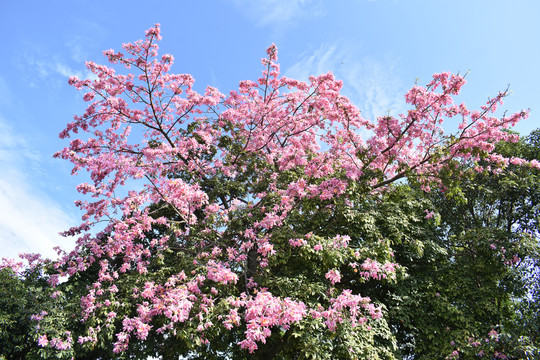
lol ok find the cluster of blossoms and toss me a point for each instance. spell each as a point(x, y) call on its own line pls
point(354, 305)
point(263, 312)
point(375, 270)
point(56, 342)
point(481, 347)
point(221, 175)
point(509, 258)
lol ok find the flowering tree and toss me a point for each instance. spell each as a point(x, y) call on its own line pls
point(231, 223)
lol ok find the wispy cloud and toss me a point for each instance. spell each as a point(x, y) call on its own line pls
point(322, 60)
point(86, 40)
point(279, 12)
point(372, 83)
point(39, 64)
point(29, 220)
point(52, 70)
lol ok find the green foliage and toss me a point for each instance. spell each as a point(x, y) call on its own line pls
point(474, 273)
point(21, 297)
point(15, 310)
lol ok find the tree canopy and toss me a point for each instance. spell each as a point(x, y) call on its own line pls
point(261, 224)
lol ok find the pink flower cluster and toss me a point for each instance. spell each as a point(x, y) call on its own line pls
point(372, 269)
point(56, 342)
point(482, 346)
point(263, 312)
point(355, 306)
point(334, 276)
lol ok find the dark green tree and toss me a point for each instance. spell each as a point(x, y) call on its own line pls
point(477, 268)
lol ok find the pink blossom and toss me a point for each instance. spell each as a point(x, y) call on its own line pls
point(334, 276)
point(219, 273)
point(43, 341)
point(297, 242)
point(265, 311)
point(149, 290)
point(341, 241)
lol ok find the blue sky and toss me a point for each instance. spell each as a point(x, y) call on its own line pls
point(379, 48)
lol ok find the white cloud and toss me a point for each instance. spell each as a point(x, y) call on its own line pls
point(324, 59)
point(78, 46)
point(279, 12)
point(377, 87)
point(53, 70)
point(38, 64)
point(373, 84)
point(83, 43)
point(29, 220)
